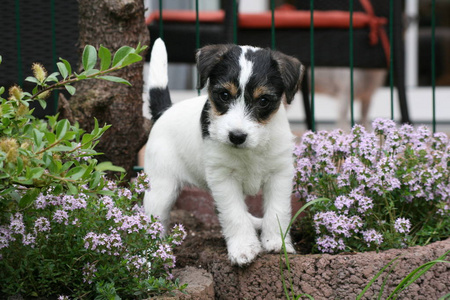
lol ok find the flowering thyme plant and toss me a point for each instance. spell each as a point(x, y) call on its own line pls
point(72, 244)
point(65, 230)
point(384, 189)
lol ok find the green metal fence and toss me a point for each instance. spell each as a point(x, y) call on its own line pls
point(273, 32)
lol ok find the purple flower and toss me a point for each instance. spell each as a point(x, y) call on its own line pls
point(383, 126)
point(71, 202)
point(125, 193)
point(42, 224)
point(29, 240)
point(60, 216)
point(5, 237)
point(372, 236)
point(16, 225)
point(89, 271)
point(342, 202)
point(178, 234)
point(328, 244)
point(402, 225)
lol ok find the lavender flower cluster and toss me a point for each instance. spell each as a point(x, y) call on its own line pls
point(101, 230)
point(383, 186)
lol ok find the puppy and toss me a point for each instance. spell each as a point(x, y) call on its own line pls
point(234, 141)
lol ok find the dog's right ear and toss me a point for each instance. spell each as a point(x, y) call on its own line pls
point(207, 57)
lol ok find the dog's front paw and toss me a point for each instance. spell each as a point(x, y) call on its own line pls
point(242, 251)
point(275, 244)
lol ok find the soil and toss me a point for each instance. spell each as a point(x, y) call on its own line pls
point(201, 237)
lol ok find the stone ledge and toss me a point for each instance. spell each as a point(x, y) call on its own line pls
point(200, 285)
point(327, 276)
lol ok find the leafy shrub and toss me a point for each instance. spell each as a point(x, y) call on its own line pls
point(64, 228)
point(384, 189)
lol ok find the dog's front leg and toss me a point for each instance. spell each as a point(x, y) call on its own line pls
point(277, 212)
point(238, 229)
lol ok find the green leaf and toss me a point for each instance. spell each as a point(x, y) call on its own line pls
point(89, 57)
point(2, 90)
point(108, 166)
point(32, 79)
point(62, 148)
point(131, 59)
point(62, 69)
point(50, 136)
point(52, 77)
point(121, 54)
point(72, 188)
point(70, 89)
point(114, 79)
point(105, 57)
point(95, 180)
point(33, 173)
point(19, 165)
point(67, 64)
point(76, 173)
point(37, 137)
point(43, 103)
point(61, 128)
point(29, 197)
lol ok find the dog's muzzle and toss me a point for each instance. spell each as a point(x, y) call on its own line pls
point(237, 137)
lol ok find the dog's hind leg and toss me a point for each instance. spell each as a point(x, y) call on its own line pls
point(159, 200)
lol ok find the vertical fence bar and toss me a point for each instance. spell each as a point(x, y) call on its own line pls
point(235, 13)
point(272, 27)
point(311, 38)
point(352, 112)
point(391, 54)
point(197, 38)
point(433, 61)
point(54, 59)
point(161, 24)
point(18, 43)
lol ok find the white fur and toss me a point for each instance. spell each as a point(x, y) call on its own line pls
point(158, 67)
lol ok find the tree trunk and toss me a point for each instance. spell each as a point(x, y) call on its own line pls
point(112, 23)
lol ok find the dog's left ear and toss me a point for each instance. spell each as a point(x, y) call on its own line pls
point(207, 57)
point(292, 72)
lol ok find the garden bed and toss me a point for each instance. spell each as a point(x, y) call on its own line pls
point(323, 276)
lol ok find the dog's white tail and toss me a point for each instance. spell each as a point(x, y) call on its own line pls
point(158, 80)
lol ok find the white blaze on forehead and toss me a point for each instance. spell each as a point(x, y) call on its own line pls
point(246, 66)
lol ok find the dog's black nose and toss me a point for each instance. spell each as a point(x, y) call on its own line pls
point(237, 137)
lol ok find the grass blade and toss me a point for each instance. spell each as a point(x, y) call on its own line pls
point(375, 278)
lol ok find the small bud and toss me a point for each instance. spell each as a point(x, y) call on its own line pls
point(12, 155)
point(25, 145)
point(7, 144)
point(15, 92)
point(44, 95)
point(39, 72)
point(22, 110)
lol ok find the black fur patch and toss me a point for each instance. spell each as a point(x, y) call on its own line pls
point(159, 102)
point(204, 119)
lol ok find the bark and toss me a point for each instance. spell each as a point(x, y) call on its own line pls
point(112, 23)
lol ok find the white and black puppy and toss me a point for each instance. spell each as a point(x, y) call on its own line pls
point(234, 141)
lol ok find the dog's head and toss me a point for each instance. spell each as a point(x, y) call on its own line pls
point(246, 87)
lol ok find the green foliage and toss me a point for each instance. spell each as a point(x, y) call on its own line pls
point(64, 228)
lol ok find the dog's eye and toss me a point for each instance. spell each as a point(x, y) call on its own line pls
point(224, 96)
point(263, 102)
